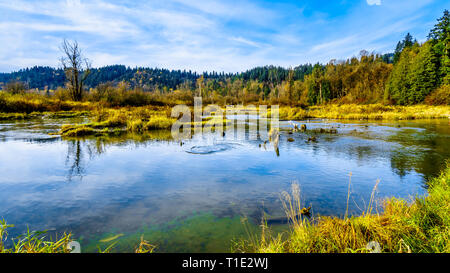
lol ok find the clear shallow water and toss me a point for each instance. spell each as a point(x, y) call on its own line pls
point(192, 197)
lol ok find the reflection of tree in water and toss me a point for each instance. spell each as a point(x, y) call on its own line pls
point(401, 162)
point(74, 159)
point(77, 150)
point(423, 148)
point(424, 152)
point(81, 151)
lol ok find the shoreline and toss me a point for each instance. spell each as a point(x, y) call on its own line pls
point(422, 226)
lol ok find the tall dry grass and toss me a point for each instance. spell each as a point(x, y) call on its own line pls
point(420, 226)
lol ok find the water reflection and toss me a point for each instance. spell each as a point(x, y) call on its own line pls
point(74, 159)
point(149, 183)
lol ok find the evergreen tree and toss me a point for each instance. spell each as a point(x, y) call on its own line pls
point(399, 82)
point(424, 74)
point(318, 86)
point(441, 29)
point(406, 43)
point(440, 37)
point(398, 51)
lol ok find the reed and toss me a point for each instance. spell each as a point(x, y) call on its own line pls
point(38, 242)
point(138, 120)
point(33, 242)
point(420, 226)
point(379, 112)
point(30, 102)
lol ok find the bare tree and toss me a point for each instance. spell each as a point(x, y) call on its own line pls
point(76, 68)
point(15, 87)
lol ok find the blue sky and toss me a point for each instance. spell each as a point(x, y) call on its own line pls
point(200, 35)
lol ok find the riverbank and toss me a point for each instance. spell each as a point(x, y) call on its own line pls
point(422, 226)
point(141, 119)
point(103, 121)
point(22, 106)
point(38, 242)
point(366, 112)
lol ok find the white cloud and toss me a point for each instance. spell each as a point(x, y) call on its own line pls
point(216, 35)
point(245, 41)
point(173, 34)
point(374, 2)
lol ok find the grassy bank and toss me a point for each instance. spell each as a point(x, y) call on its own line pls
point(137, 119)
point(29, 102)
point(146, 118)
point(40, 242)
point(366, 112)
point(28, 105)
point(26, 116)
point(131, 119)
point(420, 226)
point(379, 112)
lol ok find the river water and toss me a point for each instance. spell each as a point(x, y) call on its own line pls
point(208, 191)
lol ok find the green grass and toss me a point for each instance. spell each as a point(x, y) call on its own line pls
point(422, 226)
point(33, 242)
point(55, 115)
point(124, 119)
point(77, 131)
point(15, 116)
point(38, 242)
point(133, 119)
point(28, 103)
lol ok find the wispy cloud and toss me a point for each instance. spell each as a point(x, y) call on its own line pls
point(374, 2)
point(204, 35)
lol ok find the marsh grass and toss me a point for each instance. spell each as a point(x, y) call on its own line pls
point(420, 226)
point(33, 102)
point(379, 112)
point(365, 112)
point(135, 120)
point(104, 121)
point(33, 115)
point(33, 242)
point(291, 113)
point(15, 116)
point(362, 112)
point(38, 242)
point(143, 247)
point(212, 122)
point(28, 103)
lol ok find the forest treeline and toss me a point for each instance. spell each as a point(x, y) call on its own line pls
point(149, 79)
point(414, 73)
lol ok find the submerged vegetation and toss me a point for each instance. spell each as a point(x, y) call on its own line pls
point(33, 242)
point(38, 242)
point(420, 226)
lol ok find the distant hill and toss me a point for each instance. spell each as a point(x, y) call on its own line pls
point(151, 78)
